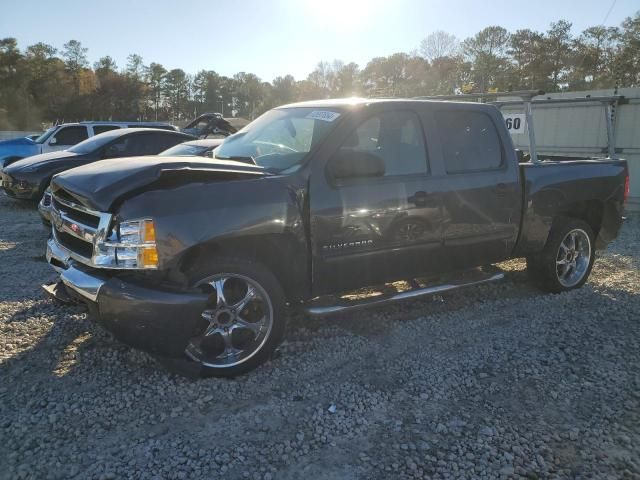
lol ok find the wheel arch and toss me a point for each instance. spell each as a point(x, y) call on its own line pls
point(11, 159)
point(590, 211)
point(280, 254)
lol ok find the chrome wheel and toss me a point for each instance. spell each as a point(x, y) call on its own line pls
point(236, 322)
point(410, 231)
point(573, 257)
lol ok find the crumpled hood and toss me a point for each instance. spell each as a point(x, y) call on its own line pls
point(38, 160)
point(98, 185)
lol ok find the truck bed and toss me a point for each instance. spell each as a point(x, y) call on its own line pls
point(580, 187)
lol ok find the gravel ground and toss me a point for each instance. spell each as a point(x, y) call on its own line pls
point(492, 381)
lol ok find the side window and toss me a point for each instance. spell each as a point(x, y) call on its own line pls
point(98, 129)
point(395, 138)
point(118, 149)
point(149, 144)
point(469, 141)
point(137, 145)
point(162, 142)
point(71, 135)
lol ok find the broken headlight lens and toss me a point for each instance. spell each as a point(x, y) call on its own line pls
point(132, 244)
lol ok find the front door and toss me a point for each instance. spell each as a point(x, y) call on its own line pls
point(375, 213)
point(65, 138)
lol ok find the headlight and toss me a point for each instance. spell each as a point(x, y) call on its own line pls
point(46, 198)
point(131, 245)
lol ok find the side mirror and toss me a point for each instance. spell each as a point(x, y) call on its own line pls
point(209, 154)
point(53, 141)
point(346, 164)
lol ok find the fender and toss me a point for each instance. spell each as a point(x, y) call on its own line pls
point(258, 217)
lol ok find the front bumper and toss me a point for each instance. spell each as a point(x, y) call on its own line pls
point(154, 320)
point(44, 208)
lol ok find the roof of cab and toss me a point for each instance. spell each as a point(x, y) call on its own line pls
point(108, 122)
point(121, 132)
point(354, 102)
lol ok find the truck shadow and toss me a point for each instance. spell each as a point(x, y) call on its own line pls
point(72, 339)
point(373, 321)
point(70, 342)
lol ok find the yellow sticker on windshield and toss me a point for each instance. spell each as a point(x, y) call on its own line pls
point(324, 115)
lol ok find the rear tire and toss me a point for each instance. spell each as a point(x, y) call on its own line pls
point(241, 328)
point(567, 258)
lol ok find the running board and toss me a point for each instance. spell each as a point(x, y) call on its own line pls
point(318, 311)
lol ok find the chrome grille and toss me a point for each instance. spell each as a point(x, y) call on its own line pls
point(76, 228)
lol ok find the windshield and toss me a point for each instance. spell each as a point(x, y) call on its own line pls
point(93, 143)
point(43, 138)
point(280, 139)
point(184, 150)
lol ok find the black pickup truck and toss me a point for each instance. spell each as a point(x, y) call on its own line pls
point(200, 259)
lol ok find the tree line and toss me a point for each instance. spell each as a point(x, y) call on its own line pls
point(42, 84)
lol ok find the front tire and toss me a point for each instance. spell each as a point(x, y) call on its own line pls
point(244, 320)
point(567, 258)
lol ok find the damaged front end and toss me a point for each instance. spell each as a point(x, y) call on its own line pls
point(209, 124)
point(103, 263)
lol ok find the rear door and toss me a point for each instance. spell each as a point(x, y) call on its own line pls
point(481, 196)
point(369, 229)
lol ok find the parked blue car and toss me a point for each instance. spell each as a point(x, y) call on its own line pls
point(17, 148)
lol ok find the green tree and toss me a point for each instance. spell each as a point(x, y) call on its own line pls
point(439, 44)
point(283, 91)
point(526, 52)
point(487, 53)
point(176, 92)
point(398, 75)
point(13, 76)
point(135, 66)
point(346, 79)
point(75, 56)
point(247, 94)
point(594, 58)
point(557, 48)
point(104, 66)
point(627, 70)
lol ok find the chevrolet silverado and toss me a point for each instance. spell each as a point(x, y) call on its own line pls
point(200, 259)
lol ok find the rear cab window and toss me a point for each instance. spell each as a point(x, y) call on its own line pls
point(470, 141)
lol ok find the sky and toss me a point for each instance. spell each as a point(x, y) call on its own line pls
point(275, 37)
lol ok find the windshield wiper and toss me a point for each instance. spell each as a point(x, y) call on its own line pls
point(237, 158)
